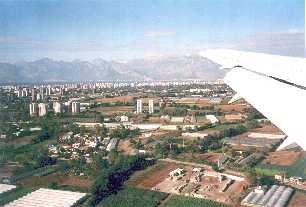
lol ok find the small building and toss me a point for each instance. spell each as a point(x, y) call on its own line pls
point(234, 117)
point(112, 144)
point(177, 119)
point(177, 172)
point(212, 119)
point(124, 118)
point(195, 135)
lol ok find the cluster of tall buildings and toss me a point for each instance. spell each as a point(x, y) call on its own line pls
point(41, 109)
point(38, 109)
point(139, 106)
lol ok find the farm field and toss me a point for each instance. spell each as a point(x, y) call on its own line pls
point(296, 169)
point(13, 195)
point(151, 176)
point(182, 201)
point(268, 129)
point(134, 197)
point(232, 107)
point(201, 158)
point(298, 200)
point(115, 108)
point(282, 158)
point(60, 179)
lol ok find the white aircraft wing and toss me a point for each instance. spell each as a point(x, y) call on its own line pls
point(275, 85)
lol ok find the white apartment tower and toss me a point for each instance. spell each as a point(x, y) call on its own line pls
point(75, 107)
point(48, 91)
point(42, 109)
point(57, 107)
point(33, 109)
point(33, 93)
point(151, 106)
point(139, 106)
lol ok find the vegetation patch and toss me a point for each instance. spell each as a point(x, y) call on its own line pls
point(133, 197)
point(182, 201)
point(13, 195)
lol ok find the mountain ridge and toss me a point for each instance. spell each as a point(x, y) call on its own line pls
point(170, 68)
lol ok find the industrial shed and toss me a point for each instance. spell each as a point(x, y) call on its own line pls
point(47, 197)
point(276, 196)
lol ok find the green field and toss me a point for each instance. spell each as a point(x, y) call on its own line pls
point(13, 195)
point(133, 197)
point(182, 201)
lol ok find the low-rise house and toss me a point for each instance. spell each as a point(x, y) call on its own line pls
point(124, 118)
point(195, 135)
point(177, 119)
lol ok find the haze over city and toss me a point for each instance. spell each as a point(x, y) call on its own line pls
point(156, 103)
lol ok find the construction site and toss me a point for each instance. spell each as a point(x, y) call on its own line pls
point(203, 183)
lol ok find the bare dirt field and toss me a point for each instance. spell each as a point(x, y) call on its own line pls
point(76, 181)
point(125, 147)
point(124, 99)
point(232, 107)
point(25, 139)
point(115, 108)
point(268, 129)
point(213, 156)
point(298, 200)
point(152, 176)
point(282, 158)
point(44, 181)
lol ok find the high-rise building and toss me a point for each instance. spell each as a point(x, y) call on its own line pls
point(33, 109)
point(57, 107)
point(24, 92)
point(38, 96)
point(42, 109)
point(151, 106)
point(48, 91)
point(75, 107)
point(19, 94)
point(33, 93)
point(139, 106)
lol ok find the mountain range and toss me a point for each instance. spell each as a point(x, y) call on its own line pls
point(165, 68)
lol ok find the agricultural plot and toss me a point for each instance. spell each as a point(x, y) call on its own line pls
point(182, 201)
point(133, 197)
point(62, 181)
point(151, 176)
point(12, 195)
point(298, 168)
point(282, 158)
point(298, 200)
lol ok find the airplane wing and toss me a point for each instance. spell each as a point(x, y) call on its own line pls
point(275, 85)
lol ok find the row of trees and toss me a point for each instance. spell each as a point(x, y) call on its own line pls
point(112, 178)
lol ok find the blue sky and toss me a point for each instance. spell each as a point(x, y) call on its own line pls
point(121, 30)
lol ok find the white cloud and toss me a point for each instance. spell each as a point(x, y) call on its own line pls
point(290, 43)
point(157, 33)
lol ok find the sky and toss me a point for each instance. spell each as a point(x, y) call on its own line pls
point(126, 29)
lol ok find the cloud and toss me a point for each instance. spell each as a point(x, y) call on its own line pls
point(154, 34)
point(290, 43)
point(14, 40)
point(295, 30)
